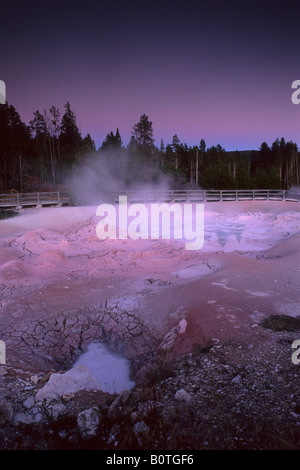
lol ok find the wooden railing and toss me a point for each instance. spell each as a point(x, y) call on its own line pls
point(135, 196)
point(19, 200)
point(59, 198)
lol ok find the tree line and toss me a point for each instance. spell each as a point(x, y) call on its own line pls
point(43, 153)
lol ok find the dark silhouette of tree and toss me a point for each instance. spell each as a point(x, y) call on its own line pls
point(201, 157)
point(216, 169)
point(112, 142)
point(55, 121)
point(15, 148)
point(175, 145)
point(50, 146)
point(276, 166)
point(70, 139)
point(41, 136)
point(118, 139)
point(88, 145)
point(242, 178)
point(143, 133)
point(132, 146)
point(161, 155)
point(202, 147)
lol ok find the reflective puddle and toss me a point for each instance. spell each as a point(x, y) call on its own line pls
point(109, 369)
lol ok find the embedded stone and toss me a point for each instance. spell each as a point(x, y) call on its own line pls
point(72, 381)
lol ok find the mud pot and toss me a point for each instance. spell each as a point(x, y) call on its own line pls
point(152, 301)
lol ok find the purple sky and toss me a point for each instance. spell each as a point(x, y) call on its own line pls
point(218, 70)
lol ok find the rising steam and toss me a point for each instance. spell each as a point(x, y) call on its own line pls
point(100, 175)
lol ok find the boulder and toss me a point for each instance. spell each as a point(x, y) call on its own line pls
point(88, 422)
point(182, 395)
point(6, 412)
point(72, 381)
point(33, 417)
point(123, 405)
point(141, 431)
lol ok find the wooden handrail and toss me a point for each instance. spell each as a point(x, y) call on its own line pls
point(39, 199)
point(212, 195)
point(59, 198)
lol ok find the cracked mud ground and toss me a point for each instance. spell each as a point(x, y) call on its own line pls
point(187, 321)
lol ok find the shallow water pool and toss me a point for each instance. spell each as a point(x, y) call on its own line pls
point(109, 369)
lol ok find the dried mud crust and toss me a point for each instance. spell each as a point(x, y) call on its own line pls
point(227, 396)
point(57, 341)
point(210, 375)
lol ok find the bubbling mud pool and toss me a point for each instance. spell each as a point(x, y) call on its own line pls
point(61, 287)
point(111, 370)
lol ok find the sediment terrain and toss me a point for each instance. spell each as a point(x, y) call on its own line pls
point(208, 373)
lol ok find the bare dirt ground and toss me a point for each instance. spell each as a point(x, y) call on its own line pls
point(208, 374)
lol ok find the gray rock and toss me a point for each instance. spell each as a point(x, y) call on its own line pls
point(6, 412)
point(88, 422)
point(56, 410)
point(28, 418)
point(123, 405)
point(3, 371)
point(237, 379)
point(23, 418)
point(141, 430)
point(182, 395)
point(148, 407)
point(29, 403)
point(114, 433)
point(71, 381)
point(38, 418)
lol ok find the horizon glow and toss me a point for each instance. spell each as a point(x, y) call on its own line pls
point(218, 71)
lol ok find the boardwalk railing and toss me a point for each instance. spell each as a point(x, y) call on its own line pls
point(135, 196)
point(19, 200)
point(59, 198)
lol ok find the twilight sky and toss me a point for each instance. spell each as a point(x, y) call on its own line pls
point(218, 70)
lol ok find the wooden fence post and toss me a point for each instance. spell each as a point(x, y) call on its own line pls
point(18, 201)
point(38, 201)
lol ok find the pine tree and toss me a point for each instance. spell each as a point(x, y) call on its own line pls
point(143, 133)
point(70, 139)
point(88, 145)
point(118, 139)
point(55, 114)
point(40, 133)
point(175, 146)
point(15, 148)
point(202, 146)
point(112, 142)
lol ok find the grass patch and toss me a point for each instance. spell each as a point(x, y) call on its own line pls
point(281, 323)
point(7, 213)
